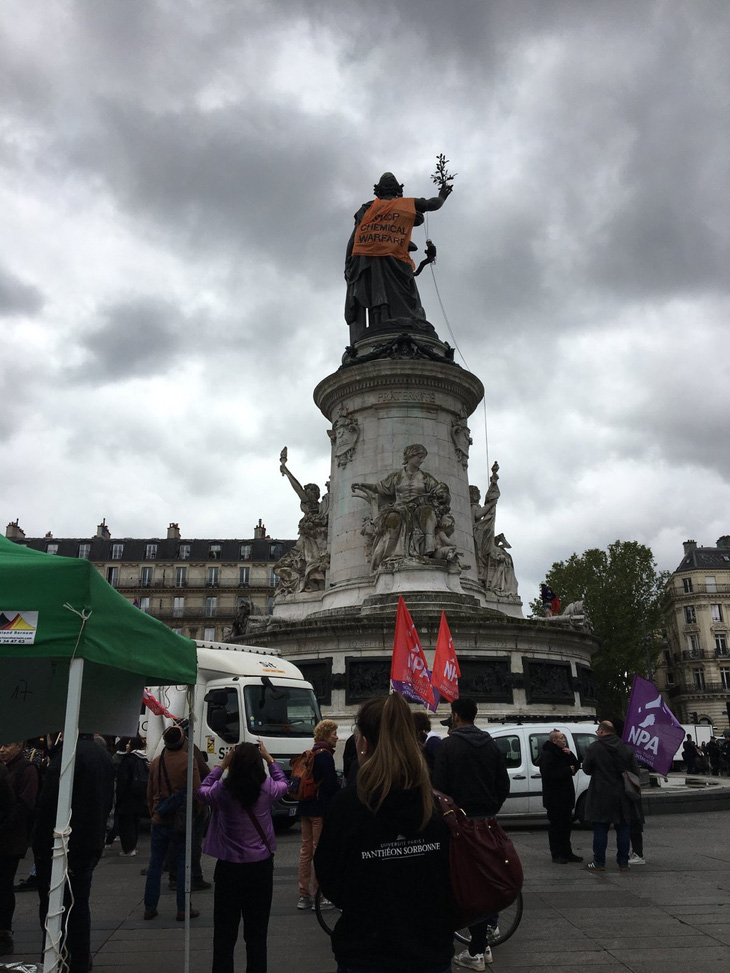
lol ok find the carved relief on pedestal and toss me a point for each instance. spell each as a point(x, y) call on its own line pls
point(407, 516)
point(461, 439)
point(344, 435)
point(304, 567)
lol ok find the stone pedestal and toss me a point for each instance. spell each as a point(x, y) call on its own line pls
point(394, 391)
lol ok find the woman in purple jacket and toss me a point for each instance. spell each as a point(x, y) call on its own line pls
point(241, 837)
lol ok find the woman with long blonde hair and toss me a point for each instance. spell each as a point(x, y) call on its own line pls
point(383, 856)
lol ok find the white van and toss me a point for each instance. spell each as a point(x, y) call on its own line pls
point(521, 744)
point(242, 693)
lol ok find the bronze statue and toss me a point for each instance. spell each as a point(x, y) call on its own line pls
point(378, 268)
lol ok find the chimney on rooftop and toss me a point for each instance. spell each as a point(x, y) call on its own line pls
point(724, 541)
point(102, 530)
point(173, 532)
point(689, 546)
point(14, 532)
point(259, 531)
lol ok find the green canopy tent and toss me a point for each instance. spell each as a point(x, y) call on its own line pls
point(75, 654)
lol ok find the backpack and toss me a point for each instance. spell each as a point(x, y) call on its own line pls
point(301, 783)
point(138, 781)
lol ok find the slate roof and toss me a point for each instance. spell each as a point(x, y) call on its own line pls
point(167, 550)
point(704, 558)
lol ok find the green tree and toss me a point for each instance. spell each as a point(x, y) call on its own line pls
point(622, 590)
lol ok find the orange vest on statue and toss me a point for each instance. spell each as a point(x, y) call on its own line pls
point(385, 230)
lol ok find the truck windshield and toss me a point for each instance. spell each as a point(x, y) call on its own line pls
point(280, 711)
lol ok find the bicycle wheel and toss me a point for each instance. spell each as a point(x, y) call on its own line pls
point(509, 920)
point(327, 918)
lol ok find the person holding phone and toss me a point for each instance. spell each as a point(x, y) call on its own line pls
point(241, 836)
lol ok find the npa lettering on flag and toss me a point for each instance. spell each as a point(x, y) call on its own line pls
point(408, 672)
point(651, 728)
point(446, 672)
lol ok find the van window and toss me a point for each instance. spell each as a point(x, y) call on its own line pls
point(223, 716)
point(582, 742)
point(536, 742)
point(280, 711)
point(511, 749)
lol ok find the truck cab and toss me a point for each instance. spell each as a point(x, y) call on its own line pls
point(244, 693)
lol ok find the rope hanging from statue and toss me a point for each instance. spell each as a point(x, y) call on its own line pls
point(442, 178)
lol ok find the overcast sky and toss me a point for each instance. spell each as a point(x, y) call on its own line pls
point(177, 186)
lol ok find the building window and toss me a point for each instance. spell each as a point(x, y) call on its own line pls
point(84, 550)
point(117, 552)
point(177, 631)
point(214, 552)
point(213, 576)
point(150, 551)
point(716, 613)
point(670, 679)
point(144, 604)
point(146, 577)
point(725, 676)
point(209, 634)
point(178, 607)
point(51, 548)
point(275, 551)
point(270, 606)
point(245, 552)
point(112, 576)
point(244, 576)
point(211, 606)
point(693, 645)
point(181, 577)
point(710, 584)
point(273, 578)
point(721, 645)
point(698, 676)
point(690, 616)
point(687, 585)
point(183, 552)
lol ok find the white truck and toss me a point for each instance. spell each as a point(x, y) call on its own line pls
point(242, 693)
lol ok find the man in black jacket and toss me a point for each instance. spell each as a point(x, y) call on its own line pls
point(471, 769)
point(93, 792)
point(558, 765)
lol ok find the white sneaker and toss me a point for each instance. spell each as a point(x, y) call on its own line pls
point(324, 905)
point(492, 933)
point(304, 902)
point(636, 859)
point(477, 962)
point(128, 854)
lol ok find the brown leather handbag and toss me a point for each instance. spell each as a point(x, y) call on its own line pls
point(485, 870)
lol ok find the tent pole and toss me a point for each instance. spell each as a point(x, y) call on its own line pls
point(52, 951)
point(189, 824)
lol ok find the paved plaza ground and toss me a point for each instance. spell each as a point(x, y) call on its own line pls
point(671, 915)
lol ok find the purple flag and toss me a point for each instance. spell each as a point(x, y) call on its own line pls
point(651, 728)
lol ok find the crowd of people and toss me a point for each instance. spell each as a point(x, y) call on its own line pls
point(375, 836)
point(711, 757)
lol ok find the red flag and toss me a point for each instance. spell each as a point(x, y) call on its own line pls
point(408, 672)
point(156, 706)
point(446, 671)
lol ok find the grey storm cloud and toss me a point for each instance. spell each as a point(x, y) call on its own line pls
point(17, 296)
point(134, 338)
